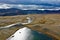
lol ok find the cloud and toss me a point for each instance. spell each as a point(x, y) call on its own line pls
point(55, 3)
point(28, 7)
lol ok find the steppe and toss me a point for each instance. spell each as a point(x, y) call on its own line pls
point(46, 23)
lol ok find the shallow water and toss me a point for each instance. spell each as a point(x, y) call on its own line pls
point(41, 36)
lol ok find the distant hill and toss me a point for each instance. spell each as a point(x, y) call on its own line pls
point(15, 11)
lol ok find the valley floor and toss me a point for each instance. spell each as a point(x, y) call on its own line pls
point(45, 23)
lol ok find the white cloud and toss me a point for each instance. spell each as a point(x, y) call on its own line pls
point(28, 7)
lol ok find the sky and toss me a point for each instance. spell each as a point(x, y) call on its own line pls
point(52, 2)
point(43, 3)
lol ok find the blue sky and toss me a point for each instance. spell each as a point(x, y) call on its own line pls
point(54, 3)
